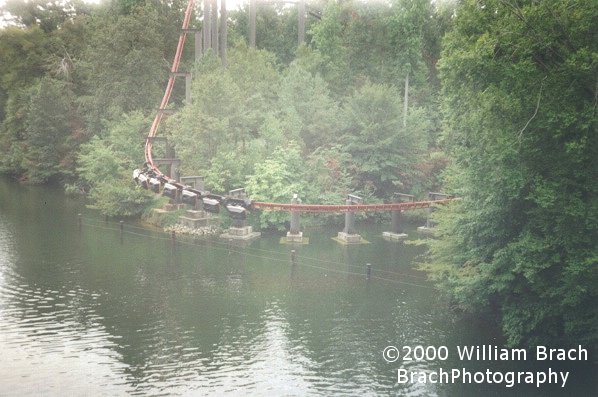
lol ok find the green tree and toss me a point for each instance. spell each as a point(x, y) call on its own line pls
point(124, 67)
point(12, 138)
point(105, 166)
point(307, 110)
point(49, 148)
point(329, 175)
point(383, 150)
point(276, 29)
point(119, 199)
point(256, 74)
point(358, 41)
point(331, 59)
point(218, 134)
point(116, 154)
point(24, 52)
point(276, 180)
point(519, 102)
point(38, 78)
point(212, 122)
point(49, 15)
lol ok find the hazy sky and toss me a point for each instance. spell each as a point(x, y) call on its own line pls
point(230, 4)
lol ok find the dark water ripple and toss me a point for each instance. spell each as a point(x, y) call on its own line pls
point(86, 313)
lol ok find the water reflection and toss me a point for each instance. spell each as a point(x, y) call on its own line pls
point(86, 313)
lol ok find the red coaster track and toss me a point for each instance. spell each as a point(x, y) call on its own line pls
point(166, 98)
point(348, 208)
point(314, 208)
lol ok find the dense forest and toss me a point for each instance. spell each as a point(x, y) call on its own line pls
point(499, 109)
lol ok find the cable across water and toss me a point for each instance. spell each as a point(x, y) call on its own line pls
point(218, 246)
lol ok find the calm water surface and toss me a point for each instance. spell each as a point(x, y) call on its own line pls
point(90, 313)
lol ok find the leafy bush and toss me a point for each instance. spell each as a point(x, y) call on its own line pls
point(119, 198)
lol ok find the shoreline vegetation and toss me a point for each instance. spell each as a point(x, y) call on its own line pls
point(501, 112)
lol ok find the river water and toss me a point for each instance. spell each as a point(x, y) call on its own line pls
point(92, 312)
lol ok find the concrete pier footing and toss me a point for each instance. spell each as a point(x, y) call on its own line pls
point(169, 208)
point(425, 230)
point(294, 238)
point(240, 233)
point(394, 236)
point(348, 238)
point(195, 219)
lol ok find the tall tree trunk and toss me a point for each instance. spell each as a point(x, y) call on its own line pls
point(406, 101)
point(252, 16)
point(223, 31)
point(301, 22)
point(214, 34)
point(207, 29)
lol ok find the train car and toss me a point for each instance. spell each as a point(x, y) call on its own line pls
point(239, 202)
point(154, 185)
point(211, 205)
point(188, 197)
point(237, 212)
point(169, 190)
point(143, 181)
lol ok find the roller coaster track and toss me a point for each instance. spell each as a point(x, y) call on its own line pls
point(152, 169)
point(166, 98)
point(314, 208)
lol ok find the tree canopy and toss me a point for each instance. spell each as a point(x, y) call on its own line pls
point(519, 104)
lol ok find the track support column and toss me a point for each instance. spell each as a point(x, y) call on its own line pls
point(349, 235)
point(396, 232)
point(429, 227)
point(236, 204)
point(295, 235)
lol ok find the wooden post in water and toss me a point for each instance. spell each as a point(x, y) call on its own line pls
point(293, 257)
point(79, 217)
point(368, 271)
point(173, 237)
point(122, 227)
